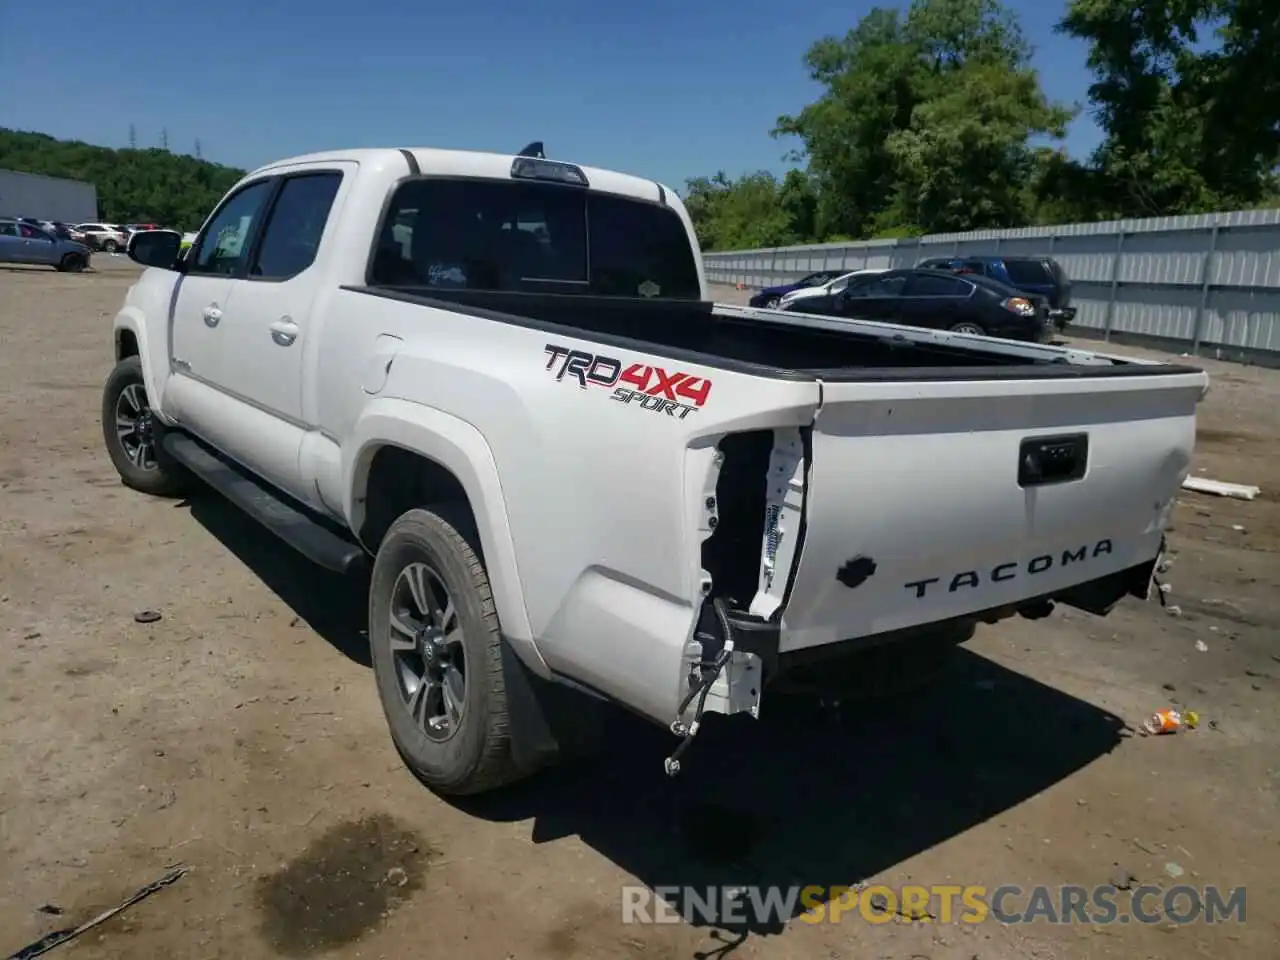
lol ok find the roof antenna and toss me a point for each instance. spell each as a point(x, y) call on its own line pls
point(533, 150)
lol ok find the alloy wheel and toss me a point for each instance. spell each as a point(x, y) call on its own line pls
point(136, 427)
point(427, 650)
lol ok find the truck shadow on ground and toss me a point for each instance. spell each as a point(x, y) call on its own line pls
point(805, 798)
point(799, 798)
point(333, 606)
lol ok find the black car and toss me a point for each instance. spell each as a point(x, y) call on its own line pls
point(1042, 276)
point(940, 300)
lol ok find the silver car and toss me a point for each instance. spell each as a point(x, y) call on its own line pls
point(23, 243)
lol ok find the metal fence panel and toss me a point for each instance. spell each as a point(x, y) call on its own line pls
point(1207, 284)
point(49, 198)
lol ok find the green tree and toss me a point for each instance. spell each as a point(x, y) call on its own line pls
point(753, 211)
point(844, 133)
point(1188, 95)
point(134, 186)
point(927, 121)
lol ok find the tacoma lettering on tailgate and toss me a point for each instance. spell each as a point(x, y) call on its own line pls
point(1013, 569)
point(676, 394)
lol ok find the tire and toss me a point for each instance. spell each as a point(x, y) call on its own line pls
point(425, 557)
point(71, 263)
point(158, 474)
point(110, 246)
point(772, 303)
point(968, 326)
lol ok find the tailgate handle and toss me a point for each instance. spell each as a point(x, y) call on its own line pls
point(1045, 460)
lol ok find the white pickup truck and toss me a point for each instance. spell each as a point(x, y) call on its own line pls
point(579, 480)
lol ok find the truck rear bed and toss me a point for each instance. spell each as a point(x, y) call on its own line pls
point(845, 480)
point(774, 343)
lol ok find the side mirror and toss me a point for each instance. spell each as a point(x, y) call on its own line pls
point(155, 248)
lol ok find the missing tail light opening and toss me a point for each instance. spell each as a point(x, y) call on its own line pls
point(759, 494)
point(755, 518)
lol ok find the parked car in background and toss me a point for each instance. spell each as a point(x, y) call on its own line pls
point(21, 242)
point(940, 300)
point(108, 237)
point(1042, 276)
point(58, 229)
point(772, 296)
point(133, 228)
point(830, 288)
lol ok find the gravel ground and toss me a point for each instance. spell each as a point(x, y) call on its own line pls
point(240, 734)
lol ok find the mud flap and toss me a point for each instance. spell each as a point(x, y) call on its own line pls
point(549, 721)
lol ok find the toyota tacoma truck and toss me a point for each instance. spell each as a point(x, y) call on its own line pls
point(500, 381)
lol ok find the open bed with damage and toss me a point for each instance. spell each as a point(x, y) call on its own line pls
point(769, 342)
point(905, 508)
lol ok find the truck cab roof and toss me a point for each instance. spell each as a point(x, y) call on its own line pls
point(471, 163)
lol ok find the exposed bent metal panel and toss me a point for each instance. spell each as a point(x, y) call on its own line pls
point(783, 512)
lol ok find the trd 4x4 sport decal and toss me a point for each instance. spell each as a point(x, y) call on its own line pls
point(650, 388)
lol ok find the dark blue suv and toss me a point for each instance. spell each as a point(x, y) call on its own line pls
point(1042, 276)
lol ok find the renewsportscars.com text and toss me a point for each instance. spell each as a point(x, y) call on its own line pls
point(940, 903)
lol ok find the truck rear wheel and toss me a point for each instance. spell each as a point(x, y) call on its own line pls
point(133, 435)
point(437, 656)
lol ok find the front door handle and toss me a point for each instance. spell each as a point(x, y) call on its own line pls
point(212, 314)
point(284, 331)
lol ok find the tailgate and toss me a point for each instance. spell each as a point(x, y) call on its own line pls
point(932, 500)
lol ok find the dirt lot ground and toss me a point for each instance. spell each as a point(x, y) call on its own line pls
point(240, 734)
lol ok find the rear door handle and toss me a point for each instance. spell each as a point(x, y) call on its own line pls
point(212, 314)
point(284, 331)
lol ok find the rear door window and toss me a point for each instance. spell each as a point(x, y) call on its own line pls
point(532, 237)
point(295, 226)
point(929, 285)
point(890, 285)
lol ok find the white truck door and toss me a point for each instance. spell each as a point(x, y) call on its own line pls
point(264, 336)
point(256, 357)
point(200, 302)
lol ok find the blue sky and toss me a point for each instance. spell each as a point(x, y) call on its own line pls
point(660, 88)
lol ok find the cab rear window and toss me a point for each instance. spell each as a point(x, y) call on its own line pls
point(532, 237)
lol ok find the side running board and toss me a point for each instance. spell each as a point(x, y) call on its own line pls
point(314, 538)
